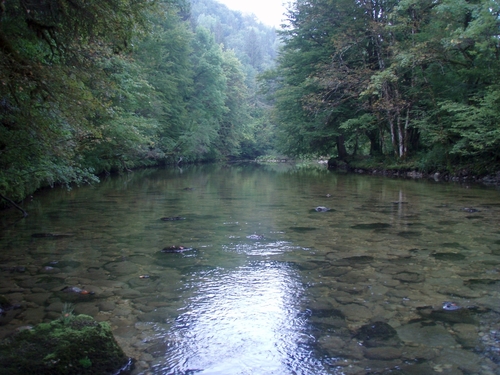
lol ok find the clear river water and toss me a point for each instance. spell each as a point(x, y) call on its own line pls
point(266, 269)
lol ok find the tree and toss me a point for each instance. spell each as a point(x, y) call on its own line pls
point(49, 52)
point(390, 76)
point(207, 101)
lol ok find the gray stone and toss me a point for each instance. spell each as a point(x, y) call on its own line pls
point(431, 336)
point(355, 312)
point(128, 293)
point(86, 308)
point(106, 306)
point(55, 307)
point(121, 268)
point(383, 353)
point(463, 360)
point(33, 315)
point(466, 335)
point(38, 298)
point(331, 343)
point(409, 277)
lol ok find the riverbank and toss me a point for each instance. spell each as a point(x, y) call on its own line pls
point(462, 175)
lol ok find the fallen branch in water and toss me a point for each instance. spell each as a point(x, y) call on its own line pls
point(15, 205)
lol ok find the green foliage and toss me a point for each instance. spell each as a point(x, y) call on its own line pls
point(476, 125)
point(393, 77)
point(112, 85)
point(85, 362)
point(50, 92)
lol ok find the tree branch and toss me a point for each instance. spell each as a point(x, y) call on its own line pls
point(15, 205)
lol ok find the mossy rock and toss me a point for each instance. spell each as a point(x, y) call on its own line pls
point(72, 345)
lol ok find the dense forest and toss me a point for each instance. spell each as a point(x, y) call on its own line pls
point(408, 83)
point(91, 87)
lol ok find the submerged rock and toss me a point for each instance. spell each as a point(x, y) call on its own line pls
point(19, 269)
point(173, 218)
point(302, 229)
point(450, 313)
point(322, 209)
point(470, 210)
point(5, 307)
point(176, 249)
point(378, 334)
point(448, 256)
point(72, 345)
point(371, 226)
point(383, 353)
point(428, 335)
point(409, 277)
point(451, 306)
point(76, 290)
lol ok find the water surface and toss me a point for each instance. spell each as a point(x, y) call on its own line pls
point(264, 283)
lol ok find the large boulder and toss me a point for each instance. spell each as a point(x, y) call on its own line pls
point(72, 345)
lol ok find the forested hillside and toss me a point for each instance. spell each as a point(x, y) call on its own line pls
point(403, 80)
point(98, 86)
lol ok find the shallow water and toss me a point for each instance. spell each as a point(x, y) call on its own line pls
point(358, 289)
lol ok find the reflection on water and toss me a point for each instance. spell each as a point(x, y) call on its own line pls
point(396, 277)
point(244, 321)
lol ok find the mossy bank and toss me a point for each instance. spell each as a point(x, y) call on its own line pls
point(72, 345)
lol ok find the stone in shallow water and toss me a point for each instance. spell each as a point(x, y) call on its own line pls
point(410, 234)
point(371, 226)
point(121, 268)
point(324, 311)
point(378, 330)
point(430, 336)
point(409, 277)
point(62, 264)
point(466, 361)
point(176, 249)
point(335, 271)
point(302, 229)
point(378, 334)
point(355, 312)
point(173, 218)
point(466, 335)
point(456, 316)
point(383, 353)
point(337, 347)
point(106, 306)
point(448, 256)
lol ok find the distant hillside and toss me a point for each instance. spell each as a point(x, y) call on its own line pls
point(254, 43)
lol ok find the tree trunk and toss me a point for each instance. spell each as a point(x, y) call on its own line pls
point(341, 150)
point(375, 142)
point(393, 134)
point(401, 138)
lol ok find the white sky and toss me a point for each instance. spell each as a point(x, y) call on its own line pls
point(269, 12)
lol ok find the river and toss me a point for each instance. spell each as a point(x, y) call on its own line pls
point(257, 277)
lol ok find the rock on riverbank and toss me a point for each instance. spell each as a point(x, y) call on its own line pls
point(70, 345)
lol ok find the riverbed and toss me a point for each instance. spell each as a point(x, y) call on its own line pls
point(266, 269)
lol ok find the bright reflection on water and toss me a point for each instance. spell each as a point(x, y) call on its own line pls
point(244, 321)
point(356, 290)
